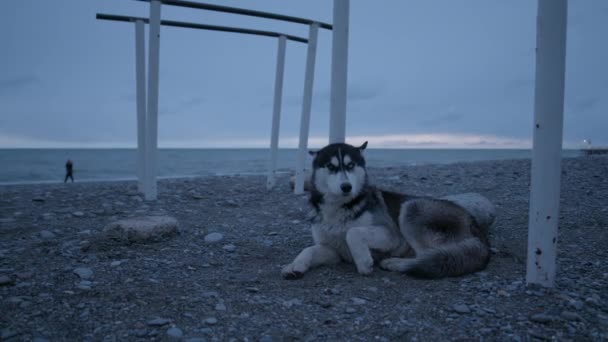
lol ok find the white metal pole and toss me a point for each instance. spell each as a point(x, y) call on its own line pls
point(152, 117)
point(306, 107)
point(547, 149)
point(276, 114)
point(140, 80)
point(339, 68)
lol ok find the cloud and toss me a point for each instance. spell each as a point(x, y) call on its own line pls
point(16, 83)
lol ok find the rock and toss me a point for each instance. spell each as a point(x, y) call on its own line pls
point(83, 272)
point(266, 338)
point(541, 318)
point(175, 332)
point(142, 229)
point(461, 308)
point(289, 303)
point(84, 285)
point(38, 199)
point(7, 333)
point(157, 322)
point(220, 307)
point(350, 310)
point(229, 248)
point(210, 294)
point(47, 235)
point(575, 304)
point(213, 237)
point(40, 339)
point(359, 301)
point(211, 321)
point(5, 280)
point(570, 316)
point(78, 214)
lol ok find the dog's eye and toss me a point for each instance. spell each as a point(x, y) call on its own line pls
point(331, 167)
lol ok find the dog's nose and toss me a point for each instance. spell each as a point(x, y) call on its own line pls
point(346, 187)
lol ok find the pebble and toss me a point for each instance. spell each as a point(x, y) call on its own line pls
point(214, 237)
point(78, 214)
point(461, 308)
point(157, 322)
point(359, 301)
point(211, 321)
point(46, 235)
point(576, 304)
point(220, 307)
point(541, 318)
point(570, 316)
point(229, 248)
point(40, 339)
point(38, 199)
point(83, 272)
point(350, 310)
point(5, 280)
point(266, 338)
point(175, 332)
point(289, 303)
point(115, 263)
point(210, 294)
point(84, 285)
point(7, 333)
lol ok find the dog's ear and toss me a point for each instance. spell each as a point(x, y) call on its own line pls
point(362, 147)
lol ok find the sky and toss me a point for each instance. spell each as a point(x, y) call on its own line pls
point(421, 73)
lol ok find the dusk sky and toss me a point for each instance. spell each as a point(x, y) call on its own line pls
point(424, 73)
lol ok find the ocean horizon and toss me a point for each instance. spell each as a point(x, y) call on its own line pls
point(47, 165)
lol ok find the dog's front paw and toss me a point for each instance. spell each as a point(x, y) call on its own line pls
point(365, 267)
point(292, 272)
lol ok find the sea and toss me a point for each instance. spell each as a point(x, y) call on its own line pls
point(23, 166)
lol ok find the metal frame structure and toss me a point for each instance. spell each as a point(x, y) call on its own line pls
point(148, 122)
point(339, 65)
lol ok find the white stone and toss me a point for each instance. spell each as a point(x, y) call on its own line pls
point(214, 237)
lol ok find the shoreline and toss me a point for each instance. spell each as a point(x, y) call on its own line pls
point(52, 236)
point(281, 172)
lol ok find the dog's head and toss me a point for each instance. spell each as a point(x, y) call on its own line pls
point(339, 172)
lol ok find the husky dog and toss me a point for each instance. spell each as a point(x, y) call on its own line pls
point(358, 223)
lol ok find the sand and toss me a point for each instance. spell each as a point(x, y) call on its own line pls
point(60, 279)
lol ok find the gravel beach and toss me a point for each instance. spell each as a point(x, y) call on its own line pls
point(218, 278)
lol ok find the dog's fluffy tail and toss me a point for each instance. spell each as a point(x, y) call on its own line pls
point(451, 260)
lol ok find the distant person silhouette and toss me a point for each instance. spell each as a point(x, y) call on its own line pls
point(69, 169)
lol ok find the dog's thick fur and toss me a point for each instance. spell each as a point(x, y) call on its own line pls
point(358, 223)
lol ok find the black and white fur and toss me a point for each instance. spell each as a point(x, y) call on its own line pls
point(360, 224)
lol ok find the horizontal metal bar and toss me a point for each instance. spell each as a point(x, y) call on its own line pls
point(124, 18)
point(242, 11)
